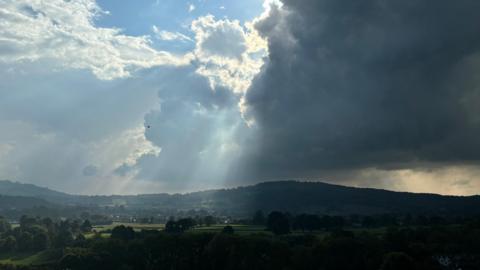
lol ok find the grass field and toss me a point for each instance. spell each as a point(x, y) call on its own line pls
point(35, 259)
point(104, 230)
point(239, 229)
point(135, 226)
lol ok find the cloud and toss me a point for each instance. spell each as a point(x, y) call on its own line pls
point(69, 120)
point(83, 95)
point(90, 170)
point(227, 53)
point(223, 37)
point(376, 84)
point(451, 179)
point(72, 122)
point(198, 131)
point(377, 93)
point(65, 32)
point(170, 36)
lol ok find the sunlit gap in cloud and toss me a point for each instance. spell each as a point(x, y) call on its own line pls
point(128, 146)
point(447, 179)
point(439, 178)
point(222, 152)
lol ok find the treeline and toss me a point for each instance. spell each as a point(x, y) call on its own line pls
point(37, 234)
point(294, 244)
point(284, 222)
point(415, 248)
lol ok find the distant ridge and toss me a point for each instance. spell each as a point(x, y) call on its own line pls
point(11, 188)
point(19, 202)
point(291, 196)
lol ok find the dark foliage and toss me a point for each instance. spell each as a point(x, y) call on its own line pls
point(123, 233)
point(430, 247)
point(180, 225)
point(278, 223)
point(228, 230)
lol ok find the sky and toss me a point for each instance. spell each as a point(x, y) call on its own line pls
point(147, 96)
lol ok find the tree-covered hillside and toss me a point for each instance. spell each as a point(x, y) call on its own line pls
point(291, 196)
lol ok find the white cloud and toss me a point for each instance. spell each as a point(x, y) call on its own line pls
point(228, 53)
point(267, 5)
point(191, 7)
point(223, 38)
point(56, 124)
point(73, 166)
point(129, 146)
point(170, 36)
point(64, 31)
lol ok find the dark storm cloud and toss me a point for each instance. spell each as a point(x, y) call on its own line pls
point(354, 84)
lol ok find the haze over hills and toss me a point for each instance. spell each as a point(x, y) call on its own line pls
point(19, 202)
point(291, 196)
point(29, 190)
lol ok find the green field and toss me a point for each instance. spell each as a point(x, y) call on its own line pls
point(36, 259)
point(104, 230)
point(135, 226)
point(239, 229)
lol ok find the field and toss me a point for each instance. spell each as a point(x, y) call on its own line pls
point(238, 229)
point(104, 230)
point(135, 226)
point(36, 259)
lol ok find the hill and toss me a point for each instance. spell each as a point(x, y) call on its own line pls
point(322, 198)
point(18, 202)
point(291, 196)
point(19, 189)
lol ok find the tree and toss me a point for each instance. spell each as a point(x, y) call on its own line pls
point(86, 226)
point(8, 244)
point(278, 223)
point(258, 218)
point(48, 224)
point(306, 222)
point(40, 241)
point(25, 241)
point(75, 227)
point(228, 230)
point(123, 233)
point(172, 227)
point(180, 225)
point(4, 225)
point(185, 224)
point(63, 238)
point(26, 222)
